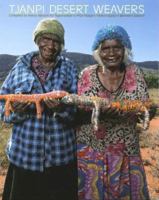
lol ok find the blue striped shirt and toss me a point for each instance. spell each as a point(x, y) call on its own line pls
point(39, 143)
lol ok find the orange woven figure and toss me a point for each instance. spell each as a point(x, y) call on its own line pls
point(100, 104)
point(32, 98)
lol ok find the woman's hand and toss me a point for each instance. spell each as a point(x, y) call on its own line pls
point(112, 111)
point(52, 103)
point(20, 106)
point(116, 114)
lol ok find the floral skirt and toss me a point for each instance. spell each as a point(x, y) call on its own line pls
point(110, 176)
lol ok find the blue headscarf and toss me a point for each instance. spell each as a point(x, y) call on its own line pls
point(112, 32)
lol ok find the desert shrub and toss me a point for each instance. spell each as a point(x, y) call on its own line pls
point(152, 80)
point(4, 135)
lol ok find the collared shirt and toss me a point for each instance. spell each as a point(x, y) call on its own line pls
point(39, 143)
point(40, 70)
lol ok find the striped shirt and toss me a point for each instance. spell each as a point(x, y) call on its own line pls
point(39, 143)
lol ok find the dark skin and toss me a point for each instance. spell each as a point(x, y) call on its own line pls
point(49, 48)
point(111, 54)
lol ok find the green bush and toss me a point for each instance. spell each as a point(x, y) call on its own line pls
point(152, 80)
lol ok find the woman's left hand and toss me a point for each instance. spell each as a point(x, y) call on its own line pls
point(51, 103)
point(113, 111)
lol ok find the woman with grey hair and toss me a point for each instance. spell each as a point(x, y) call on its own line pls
point(109, 162)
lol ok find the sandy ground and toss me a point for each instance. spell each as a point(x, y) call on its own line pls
point(150, 157)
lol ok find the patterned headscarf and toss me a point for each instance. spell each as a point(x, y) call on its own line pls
point(52, 26)
point(112, 32)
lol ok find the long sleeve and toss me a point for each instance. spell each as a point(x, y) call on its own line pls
point(19, 80)
point(8, 88)
point(141, 85)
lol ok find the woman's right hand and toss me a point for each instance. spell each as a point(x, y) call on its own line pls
point(20, 106)
point(51, 103)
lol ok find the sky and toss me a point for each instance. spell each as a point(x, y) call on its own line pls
point(81, 21)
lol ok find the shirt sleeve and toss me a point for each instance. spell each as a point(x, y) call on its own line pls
point(142, 90)
point(8, 88)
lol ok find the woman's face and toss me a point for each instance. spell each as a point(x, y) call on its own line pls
point(112, 53)
point(49, 47)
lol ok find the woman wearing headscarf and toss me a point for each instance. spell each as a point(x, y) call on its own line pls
point(41, 152)
point(109, 161)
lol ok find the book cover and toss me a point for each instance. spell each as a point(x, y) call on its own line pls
point(82, 20)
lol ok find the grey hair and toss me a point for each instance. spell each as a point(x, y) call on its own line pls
point(128, 56)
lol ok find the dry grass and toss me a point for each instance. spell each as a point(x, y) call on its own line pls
point(154, 94)
point(5, 130)
point(4, 134)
